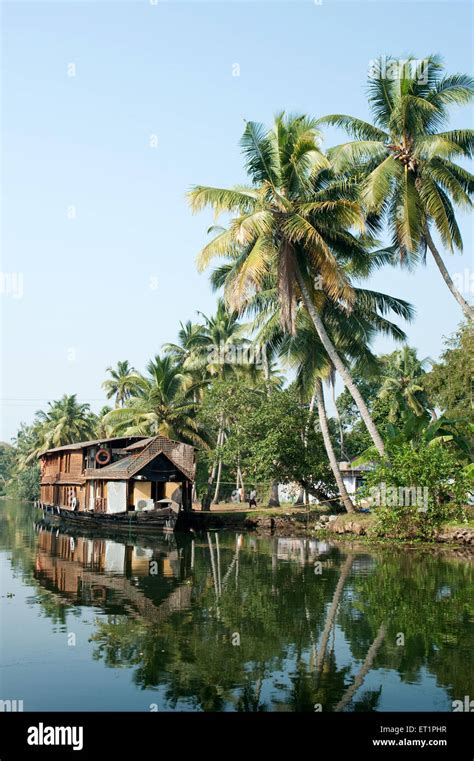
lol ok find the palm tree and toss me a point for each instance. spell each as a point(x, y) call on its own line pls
point(189, 354)
point(65, 422)
point(290, 222)
point(190, 341)
point(223, 345)
point(160, 403)
point(223, 353)
point(403, 382)
point(408, 166)
point(101, 429)
point(263, 365)
point(351, 334)
point(121, 382)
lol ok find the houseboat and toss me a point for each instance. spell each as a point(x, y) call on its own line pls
point(128, 483)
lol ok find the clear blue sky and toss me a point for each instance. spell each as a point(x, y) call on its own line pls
point(89, 295)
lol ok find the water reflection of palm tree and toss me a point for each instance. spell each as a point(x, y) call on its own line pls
point(363, 671)
point(331, 614)
point(219, 583)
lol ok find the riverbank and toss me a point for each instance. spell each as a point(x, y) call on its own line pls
point(303, 522)
point(298, 521)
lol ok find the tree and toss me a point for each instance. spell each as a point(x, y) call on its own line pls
point(161, 402)
point(422, 486)
point(7, 463)
point(265, 434)
point(27, 483)
point(408, 167)
point(404, 382)
point(101, 429)
point(224, 347)
point(393, 385)
point(65, 422)
point(424, 430)
point(290, 222)
point(121, 383)
point(351, 334)
point(449, 383)
point(225, 353)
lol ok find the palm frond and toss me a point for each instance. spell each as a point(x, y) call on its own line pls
point(260, 156)
point(242, 200)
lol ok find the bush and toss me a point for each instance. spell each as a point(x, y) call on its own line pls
point(416, 490)
point(26, 483)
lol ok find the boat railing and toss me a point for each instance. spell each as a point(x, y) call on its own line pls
point(101, 504)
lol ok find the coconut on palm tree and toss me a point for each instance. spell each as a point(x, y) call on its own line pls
point(408, 161)
point(289, 223)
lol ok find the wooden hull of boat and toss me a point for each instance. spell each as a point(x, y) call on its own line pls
point(155, 521)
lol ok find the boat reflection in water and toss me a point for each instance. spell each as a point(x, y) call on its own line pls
point(87, 569)
point(99, 571)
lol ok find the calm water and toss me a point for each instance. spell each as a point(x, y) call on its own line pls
point(223, 622)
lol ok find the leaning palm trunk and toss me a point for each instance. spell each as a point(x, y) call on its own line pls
point(364, 669)
point(338, 364)
point(323, 422)
point(466, 308)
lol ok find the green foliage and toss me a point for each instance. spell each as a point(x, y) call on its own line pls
point(406, 165)
point(450, 382)
point(160, 402)
point(419, 488)
point(306, 217)
point(265, 436)
point(404, 383)
point(26, 483)
point(7, 462)
point(275, 434)
point(395, 390)
point(121, 382)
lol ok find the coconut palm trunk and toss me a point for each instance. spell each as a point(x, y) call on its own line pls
point(218, 482)
point(274, 499)
point(323, 422)
point(301, 498)
point(466, 308)
point(212, 475)
point(338, 418)
point(220, 441)
point(338, 364)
